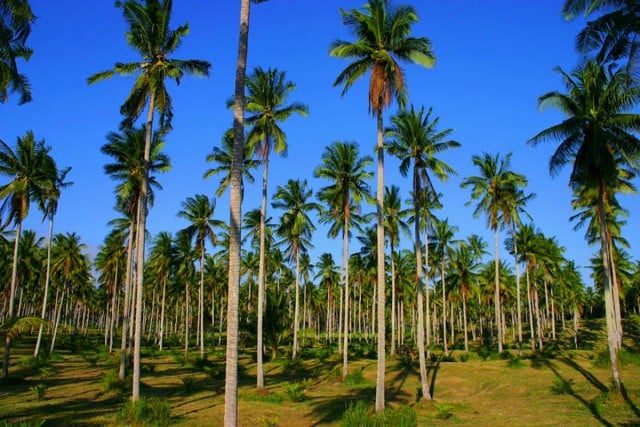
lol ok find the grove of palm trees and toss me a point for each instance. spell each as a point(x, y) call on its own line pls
point(206, 223)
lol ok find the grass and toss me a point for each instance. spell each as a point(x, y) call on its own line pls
point(571, 390)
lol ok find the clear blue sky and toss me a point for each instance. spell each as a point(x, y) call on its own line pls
point(494, 58)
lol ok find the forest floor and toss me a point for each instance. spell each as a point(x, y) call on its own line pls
point(557, 387)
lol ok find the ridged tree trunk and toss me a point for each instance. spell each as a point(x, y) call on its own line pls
point(393, 302)
point(519, 310)
point(164, 294)
point(444, 306)
point(113, 310)
point(235, 218)
point(612, 337)
point(12, 296)
point(296, 319)
point(142, 211)
point(57, 322)
point(126, 308)
point(262, 265)
point(497, 290)
point(380, 372)
point(201, 303)
point(426, 291)
point(345, 317)
point(424, 381)
point(46, 291)
point(530, 305)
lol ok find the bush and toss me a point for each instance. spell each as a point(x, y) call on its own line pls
point(445, 410)
point(515, 362)
point(37, 423)
point(448, 358)
point(91, 358)
point(354, 378)
point(39, 390)
point(296, 392)
point(361, 415)
point(111, 382)
point(188, 384)
point(151, 411)
point(562, 386)
point(464, 357)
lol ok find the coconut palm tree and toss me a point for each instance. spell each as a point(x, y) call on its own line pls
point(150, 35)
point(597, 138)
point(199, 211)
point(223, 160)
point(26, 169)
point(494, 189)
point(382, 39)
point(295, 229)
point(162, 260)
point(463, 274)
point(268, 92)
point(16, 19)
point(328, 280)
point(48, 203)
point(346, 170)
point(414, 138)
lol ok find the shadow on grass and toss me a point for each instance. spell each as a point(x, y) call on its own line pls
point(329, 409)
point(591, 406)
point(586, 374)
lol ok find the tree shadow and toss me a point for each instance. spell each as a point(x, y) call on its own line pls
point(586, 374)
point(329, 409)
point(628, 401)
point(568, 389)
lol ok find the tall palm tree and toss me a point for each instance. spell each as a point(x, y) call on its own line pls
point(494, 189)
point(16, 19)
point(268, 92)
point(199, 210)
point(295, 228)
point(394, 223)
point(346, 170)
point(328, 280)
point(26, 169)
point(150, 35)
point(162, 260)
point(235, 220)
point(49, 206)
point(414, 138)
point(597, 138)
point(463, 275)
point(223, 159)
point(383, 38)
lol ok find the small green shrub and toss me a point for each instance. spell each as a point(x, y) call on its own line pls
point(562, 386)
point(357, 415)
point(292, 367)
point(355, 378)
point(215, 372)
point(515, 362)
point(188, 384)
point(110, 381)
point(628, 358)
point(265, 396)
point(39, 390)
point(448, 358)
point(268, 421)
point(360, 414)
point(45, 372)
point(37, 423)
point(296, 392)
point(91, 358)
point(151, 411)
point(464, 357)
point(445, 410)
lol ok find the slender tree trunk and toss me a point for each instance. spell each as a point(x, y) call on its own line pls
point(187, 318)
point(424, 381)
point(164, 294)
point(426, 290)
point(46, 290)
point(201, 303)
point(444, 306)
point(57, 322)
point(12, 294)
point(380, 372)
point(345, 317)
point(296, 320)
point(262, 263)
point(464, 316)
point(519, 310)
point(497, 290)
point(113, 310)
point(393, 302)
point(612, 337)
point(126, 311)
point(235, 218)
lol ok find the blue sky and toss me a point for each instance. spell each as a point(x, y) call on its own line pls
point(494, 58)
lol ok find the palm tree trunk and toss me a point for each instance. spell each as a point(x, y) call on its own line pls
point(57, 322)
point(137, 339)
point(615, 295)
point(426, 289)
point(296, 319)
point(380, 372)
point(12, 294)
point(612, 337)
point(464, 316)
point(393, 301)
point(444, 306)
point(201, 303)
point(262, 266)
point(113, 310)
point(519, 309)
point(125, 313)
point(497, 290)
point(530, 305)
point(235, 218)
point(46, 290)
point(187, 318)
point(424, 381)
point(164, 294)
point(345, 319)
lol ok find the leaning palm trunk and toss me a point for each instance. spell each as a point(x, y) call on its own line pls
point(142, 220)
point(380, 372)
point(12, 294)
point(46, 290)
point(235, 218)
point(497, 290)
point(57, 323)
point(262, 266)
point(612, 337)
point(615, 295)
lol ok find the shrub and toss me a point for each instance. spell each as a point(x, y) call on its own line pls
point(445, 410)
point(448, 358)
point(111, 382)
point(357, 415)
point(37, 423)
point(360, 414)
point(464, 357)
point(91, 358)
point(188, 384)
point(355, 378)
point(515, 362)
point(562, 386)
point(39, 390)
point(151, 411)
point(296, 392)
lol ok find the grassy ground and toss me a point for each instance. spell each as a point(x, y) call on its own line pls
point(565, 388)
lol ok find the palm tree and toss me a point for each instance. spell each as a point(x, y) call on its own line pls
point(27, 170)
point(49, 206)
point(382, 39)
point(150, 35)
point(162, 260)
point(295, 228)
point(199, 210)
point(443, 234)
point(223, 158)
point(463, 274)
point(614, 32)
point(494, 189)
point(343, 166)
point(328, 280)
point(415, 138)
point(597, 136)
point(235, 219)
point(16, 18)
point(266, 101)
point(393, 224)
